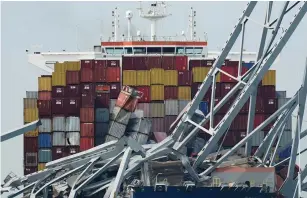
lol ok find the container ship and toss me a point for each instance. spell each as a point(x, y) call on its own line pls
point(90, 98)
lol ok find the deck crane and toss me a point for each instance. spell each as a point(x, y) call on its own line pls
point(85, 171)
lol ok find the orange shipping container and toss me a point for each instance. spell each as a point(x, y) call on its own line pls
point(33, 133)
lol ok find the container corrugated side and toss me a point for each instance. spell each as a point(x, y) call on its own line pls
point(44, 83)
point(116, 129)
point(44, 155)
point(156, 76)
point(171, 107)
point(73, 65)
point(157, 125)
point(44, 140)
point(129, 77)
point(45, 95)
point(257, 138)
point(58, 139)
point(32, 94)
point(58, 123)
point(87, 130)
point(184, 92)
point(112, 104)
point(30, 115)
point(281, 94)
point(157, 92)
point(120, 115)
point(73, 138)
point(46, 126)
point(168, 121)
point(199, 73)
point(33, 133)
point(182, 104)
point(269, 78)
point(30, 144)
point(171, 78)
point(157, 110)
point(29, 103)
point(87, 115)
point(170, 93)
point(281, 102)
point(143, 78)
point(286, 137)
point(101, 129)
point(145, 107)
point(72, 124)
point(58, 79)
point(102, 115)
point(60, 67)
point(86, 143)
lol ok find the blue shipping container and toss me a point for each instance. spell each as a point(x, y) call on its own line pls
point(203, 107)
point(102, 115)
point(285, 153)
point(44, 140)
point(44, 155)
point(101, 129)
point(248, 65)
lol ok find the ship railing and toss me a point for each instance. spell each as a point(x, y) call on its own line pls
point(157, 38)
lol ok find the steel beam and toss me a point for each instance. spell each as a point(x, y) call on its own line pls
point(15, 194)
point(272, 161)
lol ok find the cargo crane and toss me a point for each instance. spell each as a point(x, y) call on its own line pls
point(86, 173)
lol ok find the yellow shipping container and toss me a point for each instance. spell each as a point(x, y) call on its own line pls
point(157, 92)
point(44, 84)
point(29, 103)
point(41, 166)
point(143, 78)
point(269, 78)
point(72, 65)
point(129, 77)
point(157, 76)
point(33, 133)
point(59, 79)
point(30, 114)
point(199, 73)
point(171, 77)
point(184, 93)
point(218, 77)
point(60, 67)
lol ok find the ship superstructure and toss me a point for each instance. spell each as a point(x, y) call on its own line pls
point(123, 162)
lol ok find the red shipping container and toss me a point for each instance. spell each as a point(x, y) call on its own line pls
point(44, 108)
point(86, 75)
point(87, 64)
point(232, 63)
point(146, 93)
point(70, 150)
point(184, 78)
point(128, 63)
point(72, 91)
point(87, 100)
point(113, 74)
point(270, 105)
point(268, 91)
point(30, 144)
point(181, 63)
point(58, 106)
point(207, 62)
point(87, 115)
point(259, 118)
point(239, 123)
point(157, 125)
point(100, 74)
point(259, 105)
point(230, 139)
point(207, 96)
point(87, 130)
point(86, 143)
point(170, 93)
point(226, 88)
point(168, 63)
point(88, 88)
point(113, 63)
point(72, 106)
point(29, 170)
point(102, 100)
point(126, 102)
point(154, 62)
point(44, 95)
point(168, 121)
point(102, 88)
point(270, 125)
point(233, 71)
point(114, 90)
point(72, 77)
point(58, 152)
point(194, 63)
point(58, 92)
point(100, 63)
point(140, 63)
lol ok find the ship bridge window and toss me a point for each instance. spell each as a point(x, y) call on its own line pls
point(198, 50)
point(168, 50)
point(154, 50)
point(128, 50)
point(118, 50)
point(139, 50)
point(180, 50)
point(189, 50)
point(110, 50)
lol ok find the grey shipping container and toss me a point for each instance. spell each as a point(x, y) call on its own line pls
point(157, 125)
point(281, 102)
point(138, 113)
point(157, 110)
point(171, 107)
point(281, 94)
point(102, 115)
point(117, 129)
point(44, 155)
point(110, 138)
point(32, 94)
point(58, 139)
point(257, 138)
point(141, 125)
point(72, 139)
point(101, 129)
point(58, 123)
point(145, 107)
point(182, 104)
point(120, 115)
point(72, 124)
point(112, 104)
point(46, 126)
point(31, 159)
point(286, 137)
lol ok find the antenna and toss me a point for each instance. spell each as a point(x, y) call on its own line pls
point(115, 24)
point(192, 24)
point(129, 16)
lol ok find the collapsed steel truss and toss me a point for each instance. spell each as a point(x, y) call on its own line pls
point(86, 171)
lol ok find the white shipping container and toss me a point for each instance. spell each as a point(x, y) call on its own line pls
point(58, 139)
point(72, 124)
point(257, 138)
point(58, 123)
point(72, 139)
point(32, 94)
point(182, 104)
point(171, 107)
point(157, 110)
point(137, 114)
point(112, 104)
point(117, 129)
point(145, 107)
point(46, 126)
point(120, 115)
